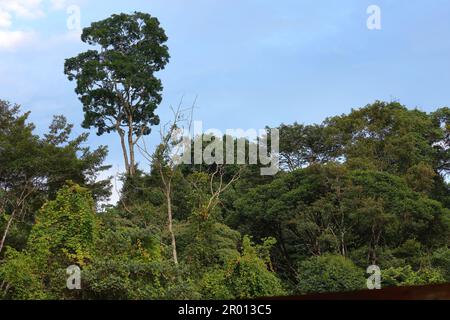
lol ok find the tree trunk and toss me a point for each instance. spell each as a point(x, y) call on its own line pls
point(343, 244)
point(132, 168)
point(169, 213)
point(124, 151)
point(5, 233)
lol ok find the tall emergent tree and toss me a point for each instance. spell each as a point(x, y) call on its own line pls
point(116, 82)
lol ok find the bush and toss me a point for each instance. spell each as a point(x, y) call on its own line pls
point(441, 260)
point(406, 276)
point(329, 273)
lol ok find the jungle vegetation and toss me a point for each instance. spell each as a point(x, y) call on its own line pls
point(365, 188)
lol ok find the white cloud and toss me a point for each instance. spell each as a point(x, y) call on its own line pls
point(23, 8)
point(10, 40)
point(5, 19)
point(29, 9)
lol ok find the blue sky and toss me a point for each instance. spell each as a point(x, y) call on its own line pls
point(252, 63)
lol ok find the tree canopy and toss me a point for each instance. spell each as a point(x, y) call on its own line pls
point(116, 81)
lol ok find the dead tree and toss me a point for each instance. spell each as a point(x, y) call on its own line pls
point(217, 186)
point(165, 160)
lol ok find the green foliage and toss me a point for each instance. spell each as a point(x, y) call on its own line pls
point(406, 276)
point(68, 159)
point(116, 82)
point(132, 50)
point(329, 273)
point(251, 276)
point(65, 231)
point(124, 267)
point(246, 276)
point(328, 208)
point(65, 228)
point(441, 259)
point(20, 277)
point(33, 169)
point(388, 135)
point(359, 189)
point(302, 145)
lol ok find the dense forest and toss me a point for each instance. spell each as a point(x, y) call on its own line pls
point(365, 188)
